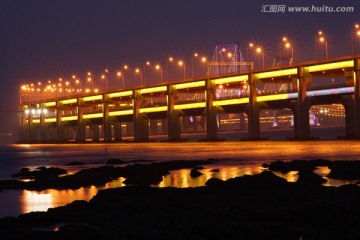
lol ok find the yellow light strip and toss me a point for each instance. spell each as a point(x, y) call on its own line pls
point(69, 101)
point(274, 97)
point(50, 120)
point(278, 73)
point(92, 98)
point(190, 105)
point(153, 89)
point(36, 121)
point(69, 118)
point(121, 113)
point(50, 104)
point(331, 66)
point(153, 109)
point(190, 85)
point(231, 101)
point(231, 79)
point(120, 94)
point(93, 115)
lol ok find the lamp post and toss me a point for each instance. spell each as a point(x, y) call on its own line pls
point(260, 51)
point(170, 60)
point(121, 75)
point(321, 39)
point(137, 71)
point(158, 68)
point(355, 33)
point(182, 64)
point(289, 46)
point(192, 63)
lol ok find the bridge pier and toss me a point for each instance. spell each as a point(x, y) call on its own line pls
point(357, 96)
point(81, 126)
point(106, 120)
point(254, 111)
point(173, 116)
point(301, 111)
point(141, 126)
point(60, 131)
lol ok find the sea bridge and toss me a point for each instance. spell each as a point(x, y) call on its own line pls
point(102, 116)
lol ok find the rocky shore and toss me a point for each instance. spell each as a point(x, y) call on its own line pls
point(262, 206)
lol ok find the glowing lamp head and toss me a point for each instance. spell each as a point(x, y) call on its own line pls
point(358, 33)
point(320, 33)
point(322, 39)
point(33, 111)
point(196, 55)
point(180, 63)
point(126, 66)
point(258, 50)
point(251, 45)
point(157, 67)
point(27, 111)
point(171, 59)
point(148, 63)
point(203, 59)
point(137, 70)
point(357, 26)
point(287, 45)
point(38, 111)
point(119, 74)
point(284, 39)
point(229, 55)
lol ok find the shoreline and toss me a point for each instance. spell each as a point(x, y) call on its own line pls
point(252, 206)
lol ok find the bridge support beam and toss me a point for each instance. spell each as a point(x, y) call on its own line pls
point(141, 126)
point(117, 131)
point(106, 120)
point(95, 133)
point(60, 131)
point(254, 111)
point(173, 116)
point(81, 126)
point(357, 96)
point(301, 113)
point(211, 113)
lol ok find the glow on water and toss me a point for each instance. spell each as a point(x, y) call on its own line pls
point(236, 159)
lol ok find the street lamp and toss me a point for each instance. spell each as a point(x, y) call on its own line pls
point(158, 68)
point(192, 64)
point(120, 74)
point(355, 33)
point(289, 46)
point(260, 51)
point(320, 38)
point(182, 64)
point(137, 71)
point(170, 60)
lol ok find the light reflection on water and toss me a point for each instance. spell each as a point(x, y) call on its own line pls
point(238, 159)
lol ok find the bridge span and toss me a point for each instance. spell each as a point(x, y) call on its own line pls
point(104, 114)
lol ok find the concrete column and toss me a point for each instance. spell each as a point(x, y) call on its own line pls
point(60, 131)
point(43, 126)
point(95, 131)
point(348, 103)
point(242, 125)
point(301, 117)
point(141, 128)
point(275, 120)
point(357, 96)
point(254, 110)
point(117, 131)
point(129, 128)
point(211, 112)
point(80, 132)
point(106, 120)
point(173, 118)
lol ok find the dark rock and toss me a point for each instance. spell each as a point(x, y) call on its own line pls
point(215, 170)
point(309, 178)
point(195, 173)
point(24, 169)
point(115, 161)
point(345, 170)
point(214, 182)
point(41, 172)
point(140, 161)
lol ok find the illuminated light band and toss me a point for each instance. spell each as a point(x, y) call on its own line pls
point(230, 101)
point(330, 66)
point(153, 89)
point(50, 104)
point(120, 94)
point(332, 91)
point(278, 73)
point(189, 85)
point(92, 98)
point(93, 115)
point(69, 118)
point(36, 121)
point(69, 101)
point(240, 78)
point(121, 113)
point(190, 105)
point(274, 97)
point(50, 120)
point(153, 109)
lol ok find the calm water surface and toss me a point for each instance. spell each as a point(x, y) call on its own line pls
point(237, 159)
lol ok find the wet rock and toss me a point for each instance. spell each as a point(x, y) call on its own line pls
point(40, 172)
point(309, 178)
point(194, 173)
point(345, 170)
point(115, 161)
point(214, 182)
point(215, 170)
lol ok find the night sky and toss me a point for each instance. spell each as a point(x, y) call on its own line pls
point(48, 39)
